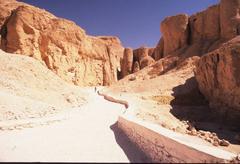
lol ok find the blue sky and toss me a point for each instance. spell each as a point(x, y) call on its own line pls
point(135, 22)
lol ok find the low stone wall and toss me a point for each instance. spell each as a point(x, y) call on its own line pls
point(109, 98)
point(163, 145)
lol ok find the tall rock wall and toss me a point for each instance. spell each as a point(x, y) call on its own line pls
point(63, 46)
point(175, 33)
point(158, 51)
point(200, 33)
point(205, 25)
point(229, 18)
point(127, 62)
point(217, 74)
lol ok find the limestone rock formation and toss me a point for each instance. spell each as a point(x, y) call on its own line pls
point(146, 61)
point(205, 25)
point(140, 53)
point(218, 77)
point(175, 32)
point(143, 57)
point(158, 51)
point(136, 67)
point(127, 62)
point(200, 33)
point(151, 52)
point(229, 18)
point(63, 46)
point(6, 6)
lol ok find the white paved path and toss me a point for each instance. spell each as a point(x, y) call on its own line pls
point(87, 135)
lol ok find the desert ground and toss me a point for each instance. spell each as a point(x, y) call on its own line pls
point(61, 121)
point(88, 133)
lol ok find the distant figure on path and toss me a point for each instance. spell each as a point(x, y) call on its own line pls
point(95, 89)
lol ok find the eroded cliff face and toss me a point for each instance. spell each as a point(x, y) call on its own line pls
point(6, 7)
point(217, 72)
point(218, 77)
point(200, 33)
point(62, 46)
point(135, 60)
point(127, 62)
point(213, 35)
point(175, 33)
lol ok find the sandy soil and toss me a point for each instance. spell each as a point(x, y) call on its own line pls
point(87, 134)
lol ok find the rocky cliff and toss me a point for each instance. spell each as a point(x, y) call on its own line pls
point(212, 34)
point(135, 60)
point(199, 33)
point(218, 77)
point(60, 44)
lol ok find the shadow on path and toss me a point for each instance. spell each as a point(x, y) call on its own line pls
point(134, 154)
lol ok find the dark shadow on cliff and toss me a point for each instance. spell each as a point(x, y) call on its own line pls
point(190, 105)
point(134, 154)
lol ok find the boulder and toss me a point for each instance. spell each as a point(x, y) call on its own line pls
point(72, 54)
point(175, 33)
point(217, 74)
point(127, 62)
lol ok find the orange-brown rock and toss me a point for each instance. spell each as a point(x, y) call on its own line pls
point(151, 52)
point(200, 33)
point(205, 25)
point(146, 61)
point(136, 67)
point(70, 53)
point(6, 6)
point(230, 18)
point(158, 51)
point(127, 62)
point(110, 39)
point(140, 53)
point(175, 33)
point(218, 77)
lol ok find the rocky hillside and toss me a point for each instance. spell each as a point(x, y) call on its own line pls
point(29, 90)
point(64, 47)
point(206, 42)
point(187, 36)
